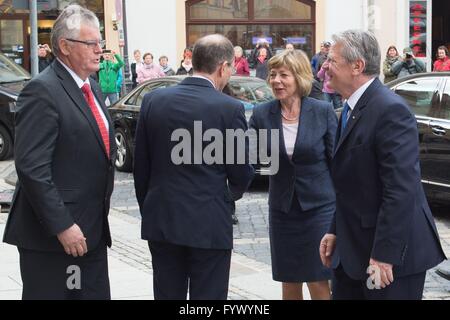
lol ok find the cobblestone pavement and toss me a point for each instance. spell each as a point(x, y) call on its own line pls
point(251, 237)
point(250, 274)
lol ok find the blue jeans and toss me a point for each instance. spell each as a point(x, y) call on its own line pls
point(113, 97)
point(334, 98)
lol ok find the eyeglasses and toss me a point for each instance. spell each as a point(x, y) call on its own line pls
point(90, 43)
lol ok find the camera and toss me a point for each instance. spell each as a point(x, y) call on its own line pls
point(106, 51)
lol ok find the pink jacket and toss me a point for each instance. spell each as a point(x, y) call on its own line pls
point(147, 72)
point(322, 75)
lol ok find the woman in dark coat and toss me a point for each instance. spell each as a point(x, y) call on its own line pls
point(301, 194)
point(186, 64)
point(261, 64)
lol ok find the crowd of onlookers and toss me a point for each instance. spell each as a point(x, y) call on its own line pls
point(397, 66)
point(143, 68)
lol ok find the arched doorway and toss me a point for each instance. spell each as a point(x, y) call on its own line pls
point(244, 22)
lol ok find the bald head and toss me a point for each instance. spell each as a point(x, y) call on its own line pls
point(211, 51)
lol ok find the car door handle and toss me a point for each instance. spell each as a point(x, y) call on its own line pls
point(438, 131)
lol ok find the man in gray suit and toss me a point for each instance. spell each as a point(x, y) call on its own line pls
point(64, 155)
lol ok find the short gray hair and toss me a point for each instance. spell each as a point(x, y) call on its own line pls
point(69, 23)
point(360, 45)
point(210, 51)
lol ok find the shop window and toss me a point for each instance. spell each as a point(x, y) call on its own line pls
point(219, 9)
point(246, 36)
point(282, 9)
point(245, 22)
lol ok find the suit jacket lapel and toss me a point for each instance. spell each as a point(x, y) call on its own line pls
point(79, 100)
point(356, 113)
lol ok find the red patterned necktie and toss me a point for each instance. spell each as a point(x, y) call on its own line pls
point(98, 118)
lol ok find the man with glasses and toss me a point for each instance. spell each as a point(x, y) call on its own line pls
point(186, 207)
point(64, 153)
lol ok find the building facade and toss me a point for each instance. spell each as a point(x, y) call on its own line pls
point(168, 27)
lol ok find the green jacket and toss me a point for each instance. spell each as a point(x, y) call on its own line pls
point(108, 74)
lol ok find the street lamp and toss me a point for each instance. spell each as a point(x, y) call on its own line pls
point(126, 83)
point(34, 37)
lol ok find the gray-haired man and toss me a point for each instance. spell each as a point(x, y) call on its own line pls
point(383, 227)
point(64, 156)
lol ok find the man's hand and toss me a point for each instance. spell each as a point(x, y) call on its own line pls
point(326, 250)
point(385, 272)
point(73, 241)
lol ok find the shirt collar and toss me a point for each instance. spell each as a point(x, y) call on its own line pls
point(354, 98)
point(75, 77)
point(202, 77)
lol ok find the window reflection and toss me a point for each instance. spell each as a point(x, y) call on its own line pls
point(49, 7)
point(422, 96)
point(247, 35)
point(282, 9)
point(220, 9)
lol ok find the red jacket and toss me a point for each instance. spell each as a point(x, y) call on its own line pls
point(442, 65)
point(241, 66)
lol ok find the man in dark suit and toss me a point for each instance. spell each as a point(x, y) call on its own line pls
point(383, 224)
point(186, 208)
point(64, 155)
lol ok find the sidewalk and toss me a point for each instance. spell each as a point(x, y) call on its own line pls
point(130, 268)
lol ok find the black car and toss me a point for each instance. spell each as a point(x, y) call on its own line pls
point(12, 80)
point(125, 112)
point(428, 95)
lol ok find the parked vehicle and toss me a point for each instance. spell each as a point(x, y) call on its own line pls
point(428, 95)
point(12, 80)
point(125, 112)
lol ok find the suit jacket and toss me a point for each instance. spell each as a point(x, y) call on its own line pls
point(307, 174)
point(64, 173)
point(187, 204)
point(381, 209)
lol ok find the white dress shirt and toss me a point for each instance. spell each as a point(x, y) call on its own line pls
point(80, 84)
point(354, 98)
point(202, 77)
point(290, 137)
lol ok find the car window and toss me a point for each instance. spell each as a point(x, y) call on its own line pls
point(444, 110)
point(150, 87)
point(250, 93)
point(11, 72)
point(133, 97)
point(422, 95)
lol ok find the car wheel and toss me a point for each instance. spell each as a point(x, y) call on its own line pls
point(6, 144)
point(124, 157)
